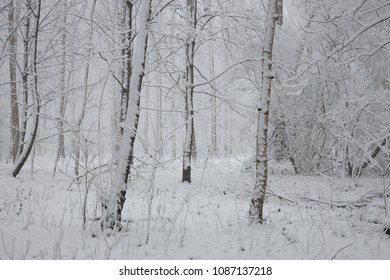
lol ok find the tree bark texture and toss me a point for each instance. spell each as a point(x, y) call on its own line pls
point(261, 183)
point(36, 99)
point(25, 77)
point(374, 153)
point(117, 193)
point(214, 143)
point(62, 100)
point(127, 51)
point(61, 140)
point(12, 73)
point(189, 92)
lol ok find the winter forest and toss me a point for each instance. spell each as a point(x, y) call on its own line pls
point(194, 129)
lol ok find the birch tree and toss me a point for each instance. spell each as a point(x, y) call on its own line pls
point(12, 73)
point(126, 53)
point(36, 97)
point(214, 146)
point(117, 193)
point(261, 183)
point(189, 93)
point(25, 78)
point(62, 101)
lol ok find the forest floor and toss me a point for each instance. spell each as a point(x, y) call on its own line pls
point(307, 217)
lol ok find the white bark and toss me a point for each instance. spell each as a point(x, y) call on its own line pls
point(159, 124)
point(62, 101)
point(146, 137)
point(12, 74)
point(126, 53)
point(189, 107)
point(257, 203)
point(117, 193)
point(36, 100)
point(25, 75)
point(214, 146)
point(173, 116)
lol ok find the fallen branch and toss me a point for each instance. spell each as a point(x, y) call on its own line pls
point(363, 201)
point(340, 204)
point(373, 194)
point(271, 193)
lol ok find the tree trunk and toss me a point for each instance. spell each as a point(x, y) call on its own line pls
point(214, 146)
point(26, 47)
point(173, 137)
point(173, 116)
point(193, 145)
point(257, 202)
point(62, 101)
point(374, 153)
point(146, 138)
point(117, 194)
point(61, 140)
point(127, 52)
point(187, 154)
point(227, 130)
point(12, 73)
point(159, 123)
point(36, 100)
point(77, 144)
point(189, 88)
point(225, 111)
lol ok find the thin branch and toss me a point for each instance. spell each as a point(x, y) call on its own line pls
point(226, 70)
point(340, 251)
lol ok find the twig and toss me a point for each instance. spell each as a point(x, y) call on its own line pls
point(8, 204)
point(340, 251)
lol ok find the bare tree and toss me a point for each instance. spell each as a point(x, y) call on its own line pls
point(117, 193)
point(189, 93)
point(257, 202)
point(12, 73)
point(25, 76)
point(125, 72)
point(62, 101)
point(214, 146)
point(81, 116)
point(36, 98)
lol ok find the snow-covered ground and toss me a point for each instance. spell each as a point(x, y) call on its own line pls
point(307, 217)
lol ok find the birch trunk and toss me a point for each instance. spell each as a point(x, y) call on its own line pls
point(173, 137)
point(117, 193)
point(174, 115)
point(189, 88)
point(61, 140)
point(159, 124)
point(127, 52)
point(26, 48)
point(214, 146)
point(227, 130)
point(12, 73)
point(261, 183)
point(62, 101)
point(146, 137)
point(374, 153)
point(36, 99)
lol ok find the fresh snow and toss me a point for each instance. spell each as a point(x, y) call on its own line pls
point(41, 218)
